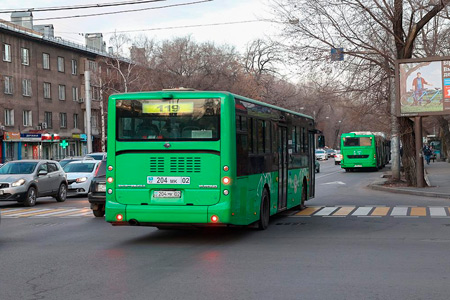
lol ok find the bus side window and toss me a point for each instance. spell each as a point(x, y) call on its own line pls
point(260, 136)
point(250, 136)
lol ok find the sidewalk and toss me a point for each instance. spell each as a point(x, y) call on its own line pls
point(437, 174)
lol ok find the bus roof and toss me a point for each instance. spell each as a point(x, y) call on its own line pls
point(165, 93)
point(355, 133)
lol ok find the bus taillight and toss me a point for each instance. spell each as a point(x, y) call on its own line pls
point(119, 217)
point(226, 180)
point(226, 168)
point(110, 168)
point(214, 219)
point(110, 180)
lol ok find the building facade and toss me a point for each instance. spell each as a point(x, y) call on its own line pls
point(42, 94)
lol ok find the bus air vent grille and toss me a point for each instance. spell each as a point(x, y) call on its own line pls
point(357, 156)
point(157, 165)
point(185, 164)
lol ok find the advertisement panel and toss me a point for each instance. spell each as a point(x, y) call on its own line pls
point(423, 87)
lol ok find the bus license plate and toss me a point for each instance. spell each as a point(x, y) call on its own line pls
point(358, 166)
point(167, 194)
point(168, 180)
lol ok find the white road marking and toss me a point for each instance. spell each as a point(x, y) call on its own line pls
point(362, 211)
point(326, 211)
point(55, 213)
point(437, 212)
point(26, 212)
point(399, 211)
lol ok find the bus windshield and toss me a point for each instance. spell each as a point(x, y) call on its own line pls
point(358, 141)
point(168, 119)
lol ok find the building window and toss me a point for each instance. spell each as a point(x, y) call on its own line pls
point(46, 61)
point(25, 56)
point(92, 66)
point(27, 118)
point(62, 92)
point(75, 120)
point(26, 87)
point(74, 93)
point(74, 67)
point(7, 52)
point(94, 123)
point(63, 120)
point(95, 93)
point(8, 85)
point(60, 64)
point(48, 119)
point(47, 90)
point(9, 117)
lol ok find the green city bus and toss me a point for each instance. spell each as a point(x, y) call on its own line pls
point(364, 150)
point(205, 158)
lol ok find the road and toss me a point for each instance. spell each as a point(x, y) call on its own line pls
point(72, 255)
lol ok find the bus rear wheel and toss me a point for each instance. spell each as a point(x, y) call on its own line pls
point(264, 213)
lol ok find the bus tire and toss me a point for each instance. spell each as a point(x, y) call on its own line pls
point(264, 212)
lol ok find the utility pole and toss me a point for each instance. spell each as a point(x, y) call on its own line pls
point(87, 82)
point(102, 117)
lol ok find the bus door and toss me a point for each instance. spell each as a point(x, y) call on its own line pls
point(312, 162)
point(282, 166)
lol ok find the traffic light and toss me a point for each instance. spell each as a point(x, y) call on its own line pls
point(321, 141)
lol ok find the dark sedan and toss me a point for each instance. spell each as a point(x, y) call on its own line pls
point(97, 191)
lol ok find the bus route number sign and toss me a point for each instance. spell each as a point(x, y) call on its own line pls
point(168, 108)
point(168, 180)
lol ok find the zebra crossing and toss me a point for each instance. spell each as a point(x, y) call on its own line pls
point(374, 211)
point(66, 212)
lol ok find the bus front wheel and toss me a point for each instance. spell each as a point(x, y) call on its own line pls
point(264, 213)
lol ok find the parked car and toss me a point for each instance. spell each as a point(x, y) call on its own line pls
point(26, 180)
point(97, 155)
point(97, 191)
point(321, 154)
point(317, 166)
point(67, 160)
point(79, 176)
point(338, 158)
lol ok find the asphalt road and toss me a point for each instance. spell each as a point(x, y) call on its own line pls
point(73, 255)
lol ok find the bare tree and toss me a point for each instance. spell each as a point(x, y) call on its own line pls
point(373, 32)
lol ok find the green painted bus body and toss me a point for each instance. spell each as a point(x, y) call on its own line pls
point(364, 155)
point(130, 163)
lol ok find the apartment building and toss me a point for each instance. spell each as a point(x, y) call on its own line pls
point(42, 91)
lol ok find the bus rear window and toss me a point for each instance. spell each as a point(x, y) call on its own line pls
point(361, 141)
point(173, 119)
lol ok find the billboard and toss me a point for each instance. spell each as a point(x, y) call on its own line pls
point(423, 87)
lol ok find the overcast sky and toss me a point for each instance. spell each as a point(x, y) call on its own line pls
point(216, 11)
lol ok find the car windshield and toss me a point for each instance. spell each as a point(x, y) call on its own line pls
point(79, 168)
point(65, 162)
point(18, 168)
point(101, 169)
point(320, 152)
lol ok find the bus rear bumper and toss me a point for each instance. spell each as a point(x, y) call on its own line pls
point(152, 215)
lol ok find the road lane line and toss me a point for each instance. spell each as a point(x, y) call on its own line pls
point(321, 176)
point(32, 211)
point(15, 211)
point(83, 214)
point(437, 212)
point(381, 211)
point(399, 211)
point(308, 211)
point(418, 211)
point(326, 211)
point(54, 212)
point(344, 211)
point(39, 212)
point(362, 211)
point(71, 214)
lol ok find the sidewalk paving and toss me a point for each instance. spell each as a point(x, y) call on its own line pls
point(436, 173)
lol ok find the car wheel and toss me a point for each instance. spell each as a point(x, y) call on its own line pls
point(99, 213)
point(264, 213)
point(62, 193)
point(30, 199)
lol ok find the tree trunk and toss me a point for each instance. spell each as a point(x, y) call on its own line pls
point(409, 150)
point(445, 129)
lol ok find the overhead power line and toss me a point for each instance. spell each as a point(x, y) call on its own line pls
point(99, 5)
point(190, 26)
point(122, 11)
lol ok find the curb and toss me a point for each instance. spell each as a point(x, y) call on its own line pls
point(378, 187)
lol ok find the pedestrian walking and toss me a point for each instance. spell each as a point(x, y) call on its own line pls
point(427, 153)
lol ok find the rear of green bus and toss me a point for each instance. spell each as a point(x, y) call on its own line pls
point(169, 158)
point(358, 151)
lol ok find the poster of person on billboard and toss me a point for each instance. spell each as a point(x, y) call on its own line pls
point(424, 87)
